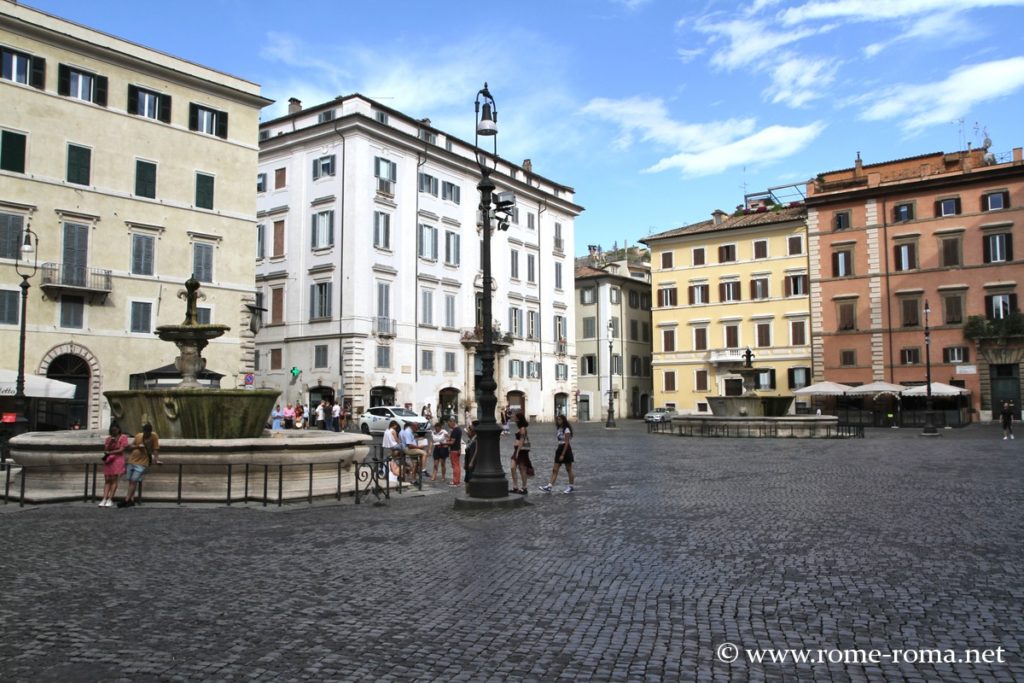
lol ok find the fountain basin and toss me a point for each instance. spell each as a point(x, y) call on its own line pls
point(750, 406)
point(284, 465)
point(194, 413)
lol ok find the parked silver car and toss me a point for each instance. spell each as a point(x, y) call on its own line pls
point(376, 420)
point(660, 415)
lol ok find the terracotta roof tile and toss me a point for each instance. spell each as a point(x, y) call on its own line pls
point(790, 213)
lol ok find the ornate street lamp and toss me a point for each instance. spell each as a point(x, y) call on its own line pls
point(26, 269)
point(610, 424)
point(489, 479)
point(929, 415)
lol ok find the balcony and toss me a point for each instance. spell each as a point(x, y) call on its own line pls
point(384, 327)
point(474, 337)
point(718, 356)
point(60, 278)
point(562, 347)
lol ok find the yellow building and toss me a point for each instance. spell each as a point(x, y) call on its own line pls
point(720, 287)
point(135, 169)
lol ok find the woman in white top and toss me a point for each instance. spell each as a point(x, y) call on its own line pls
point(440, 452)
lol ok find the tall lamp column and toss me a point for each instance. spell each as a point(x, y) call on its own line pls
point(489, 479)
point(929, 415)
point(610, 424)
point(26, 269)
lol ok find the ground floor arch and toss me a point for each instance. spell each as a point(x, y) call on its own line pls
point(74, 364)
point(447, 404)
point(382, 396)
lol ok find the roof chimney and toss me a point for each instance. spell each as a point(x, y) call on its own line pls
point(527, 165)
point(858, 167)
point(294, 105)
point(718, 216)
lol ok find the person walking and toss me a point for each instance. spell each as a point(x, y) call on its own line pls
point(563, 455)
point(521, 465)
point(336, 417)
point(1006, 418)
point(145, 452)
point(455, 450)
point(440, 451)
point(319, 415)
point(113, 463)
point(289, 416)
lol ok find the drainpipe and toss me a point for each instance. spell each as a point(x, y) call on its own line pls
point(888, 289)
point(421, 159)
point(541, 208)
point(341, 272)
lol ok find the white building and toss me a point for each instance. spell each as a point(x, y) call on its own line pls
point(369, 270)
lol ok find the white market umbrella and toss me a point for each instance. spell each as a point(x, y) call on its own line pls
point(36, 386)
point(938, 389)
point(823, 389)
point(877, 388)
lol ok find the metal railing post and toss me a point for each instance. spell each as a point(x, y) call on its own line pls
point(229, 484)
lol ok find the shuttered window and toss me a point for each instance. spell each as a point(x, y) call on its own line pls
point(149, 103)
point(207, 120)
point(12, 151)
point(202, 261)
point(79, 164)
point(278, 239)
point(142, 254)
point(700, 339)
point(204, 191)
point(145, 179)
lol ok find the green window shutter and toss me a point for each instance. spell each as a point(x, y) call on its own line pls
point(222, 124)
point(12, 152)
point(204, 191)
point(145, 179)
point(164, 109)
point(193, 116)
point(100, 91)
point(79, 163)
point(133, 99)
point(37, 72)
point(63, 80)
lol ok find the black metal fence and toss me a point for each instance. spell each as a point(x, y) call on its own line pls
point(263, 484)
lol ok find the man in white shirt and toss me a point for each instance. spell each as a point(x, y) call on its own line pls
point(319, 413)
point(336, 416)
point(410, 445)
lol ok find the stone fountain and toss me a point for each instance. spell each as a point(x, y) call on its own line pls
point(190, 410)
point(213, 442)
point(751, 415)
point(749, 404)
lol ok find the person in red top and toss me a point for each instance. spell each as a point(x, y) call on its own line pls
point(113, 463)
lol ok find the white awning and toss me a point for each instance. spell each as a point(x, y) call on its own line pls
point(36, 386)
point(877, 388)
point(823, 389)
point(938, 389)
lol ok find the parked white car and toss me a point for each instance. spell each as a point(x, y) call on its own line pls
point(376, 420)
point(660, 415)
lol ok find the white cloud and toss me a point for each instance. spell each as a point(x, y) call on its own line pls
point(631, 4)
point(766, 145)
point(798, 80)
point(700, 148)
point(949, 26)
point(688, 55)
point(920, 106)
point(749, 41)
point(874, 10)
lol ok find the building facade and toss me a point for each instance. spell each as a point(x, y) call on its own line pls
point(368, 266)
point(134, 168)
point(613, 344)
point(720, 287)
point(899, 244)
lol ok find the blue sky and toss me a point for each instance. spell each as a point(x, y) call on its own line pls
point(657, 112)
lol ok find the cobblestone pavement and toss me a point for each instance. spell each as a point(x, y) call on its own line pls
point(670, 548)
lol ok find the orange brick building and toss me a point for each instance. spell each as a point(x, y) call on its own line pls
point(886, 239)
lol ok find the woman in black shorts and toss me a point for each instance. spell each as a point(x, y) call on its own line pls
point(521, 464)
point(440, 437)
point(563, 455)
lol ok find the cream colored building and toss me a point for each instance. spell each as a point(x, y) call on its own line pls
point(720, 287)
point(135, 170)
point(613, 332)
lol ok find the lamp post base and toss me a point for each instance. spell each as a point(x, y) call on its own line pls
point(510, 500)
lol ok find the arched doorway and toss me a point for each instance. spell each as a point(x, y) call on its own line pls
point(516, 401)
point(73, 370)
point(448, 404)
point(645, 404)
point(382, 396)
point(562, 404)
point(634, 402)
